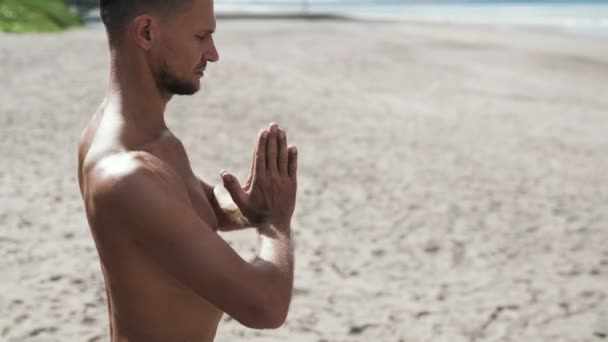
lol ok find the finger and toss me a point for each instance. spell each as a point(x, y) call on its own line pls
point(255, 150)
point(260, 156)
point(247, 184)
point(249, 177)
point(293, 162)
point(271, 151)
point(239, 197)
point(282, 153)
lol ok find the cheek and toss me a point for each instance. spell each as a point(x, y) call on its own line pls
point(181, 55)
point(172, 50)
point(184, 56)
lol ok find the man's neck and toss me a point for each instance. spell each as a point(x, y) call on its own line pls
point(133, 94)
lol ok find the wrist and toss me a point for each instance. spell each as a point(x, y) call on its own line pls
point(282, 228)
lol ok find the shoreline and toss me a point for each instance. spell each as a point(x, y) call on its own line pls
point(326, 16)
point(346, 14)
point(93, 20)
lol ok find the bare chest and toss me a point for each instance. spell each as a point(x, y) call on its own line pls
point(200, 202)
point(174, 154)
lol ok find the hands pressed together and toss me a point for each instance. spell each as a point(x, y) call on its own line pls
point(269, 194)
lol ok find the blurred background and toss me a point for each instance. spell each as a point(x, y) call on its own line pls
point(452, 182)
point(589, 16)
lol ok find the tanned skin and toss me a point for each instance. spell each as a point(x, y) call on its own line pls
point(169, 276)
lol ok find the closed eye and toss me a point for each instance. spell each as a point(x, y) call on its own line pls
point(204, 34)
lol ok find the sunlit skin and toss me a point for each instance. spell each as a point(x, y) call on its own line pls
point(169, 276)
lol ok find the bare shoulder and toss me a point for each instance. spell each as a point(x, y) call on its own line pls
point(129, 177)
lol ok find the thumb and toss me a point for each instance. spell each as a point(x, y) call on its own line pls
point(234, 189)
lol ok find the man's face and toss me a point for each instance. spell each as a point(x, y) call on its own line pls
point(186, 45)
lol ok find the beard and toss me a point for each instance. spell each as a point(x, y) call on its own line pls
point(168, 82)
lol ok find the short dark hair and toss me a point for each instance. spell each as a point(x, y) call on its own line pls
point(116, 14)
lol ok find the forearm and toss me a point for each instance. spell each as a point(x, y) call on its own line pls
point(275, 256)
point(275, 246)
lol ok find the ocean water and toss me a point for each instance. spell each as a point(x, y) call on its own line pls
point(582, 16)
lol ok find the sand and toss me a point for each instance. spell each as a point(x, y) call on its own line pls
point(453, 182)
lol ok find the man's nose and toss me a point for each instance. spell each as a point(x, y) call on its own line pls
point(211, 54)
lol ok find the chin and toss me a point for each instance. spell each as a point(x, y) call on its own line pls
point(186, 89)
point(196, 87)
point(198, 84)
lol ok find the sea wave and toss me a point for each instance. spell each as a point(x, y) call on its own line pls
point(589, 17)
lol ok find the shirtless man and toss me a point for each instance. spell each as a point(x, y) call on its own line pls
point(169, 276)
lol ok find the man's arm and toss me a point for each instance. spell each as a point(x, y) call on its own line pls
point(268, 198)
point(151, 202)
point(275, 251)
point(229, 216)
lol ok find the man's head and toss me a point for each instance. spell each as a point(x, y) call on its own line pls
point(174, 37)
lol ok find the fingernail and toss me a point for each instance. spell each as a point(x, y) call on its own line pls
point(281, 134)
point(265, 134)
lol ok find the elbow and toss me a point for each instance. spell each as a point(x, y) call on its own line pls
point(268, 304)
point(266, 316)
point(274, 310)
point(275, 319)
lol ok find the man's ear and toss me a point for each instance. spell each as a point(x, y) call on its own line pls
point(143, 29)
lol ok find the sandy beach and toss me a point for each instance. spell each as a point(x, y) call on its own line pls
point(452, 182)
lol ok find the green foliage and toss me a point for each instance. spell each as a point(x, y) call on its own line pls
point(36, 16)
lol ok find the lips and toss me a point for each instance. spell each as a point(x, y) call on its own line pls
point(201, 69)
